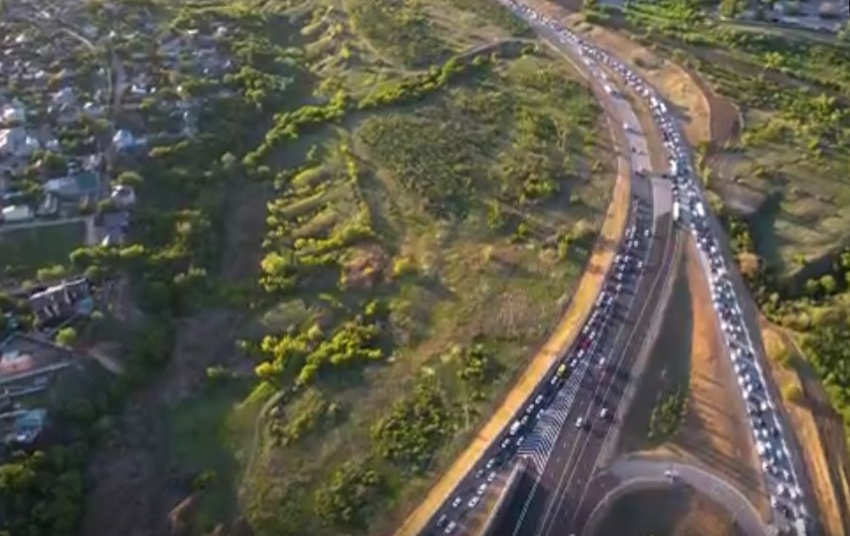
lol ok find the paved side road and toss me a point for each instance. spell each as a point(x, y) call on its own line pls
point(636, 471)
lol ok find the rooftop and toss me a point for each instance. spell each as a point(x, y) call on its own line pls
point(22, 355)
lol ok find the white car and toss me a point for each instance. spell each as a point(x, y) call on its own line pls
point(473, 502)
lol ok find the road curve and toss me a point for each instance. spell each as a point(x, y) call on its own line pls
point(637, 473)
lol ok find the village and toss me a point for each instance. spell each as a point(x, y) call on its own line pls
point(84, 100)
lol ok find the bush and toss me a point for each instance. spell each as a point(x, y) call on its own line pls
point(66, 336)
point(346, 499)
point(667, 415)
point(415, 428)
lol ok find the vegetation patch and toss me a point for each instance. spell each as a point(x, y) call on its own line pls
point(26, 250)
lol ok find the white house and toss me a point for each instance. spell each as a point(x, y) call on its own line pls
point(16, 142)
point(14, 112)
point(123, 196)
point(124, 139)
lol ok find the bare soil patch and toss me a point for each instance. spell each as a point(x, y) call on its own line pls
point(725, 117)
point(818, 428)
point(673, 512)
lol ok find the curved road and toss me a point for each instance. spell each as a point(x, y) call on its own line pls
point(635, 473)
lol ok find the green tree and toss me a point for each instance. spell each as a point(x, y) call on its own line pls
point(828, 284)
point(66, 336)
point(129, 178)
point(730, 8)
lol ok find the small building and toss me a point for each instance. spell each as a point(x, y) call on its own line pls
point(14, 112)
point(114, 226)
point(76, 186)
point(64, 97)
point(28, 364)
point(62, 302)
point(16, 142)
point(16, 214)
point(124, 140)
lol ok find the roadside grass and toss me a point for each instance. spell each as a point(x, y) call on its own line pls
point(38, 247)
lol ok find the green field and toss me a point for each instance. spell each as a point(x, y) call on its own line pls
point(29, 249)
point(425, 233)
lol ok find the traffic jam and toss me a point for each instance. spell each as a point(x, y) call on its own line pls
point(588, 349)
point(786, 496)
point(785, 493)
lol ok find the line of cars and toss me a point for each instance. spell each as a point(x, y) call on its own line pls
point(786, 494)
point(588, 346)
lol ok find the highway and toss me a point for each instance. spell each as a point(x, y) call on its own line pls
point(553, 504)
point(569, 419)
point(564, 456)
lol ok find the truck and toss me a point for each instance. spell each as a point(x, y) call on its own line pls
point(674, 167)
point(676, 214)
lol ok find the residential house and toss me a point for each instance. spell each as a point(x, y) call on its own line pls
point(123, 196)
point(124, 140)
point(62, 302)
point(16, 142)
point(28, 364)
point(114, 225)
point(76, 186)
point(14, 112)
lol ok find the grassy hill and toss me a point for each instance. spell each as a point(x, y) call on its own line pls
point(430, 205)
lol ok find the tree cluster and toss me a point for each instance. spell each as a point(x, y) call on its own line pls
point(416, 427)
